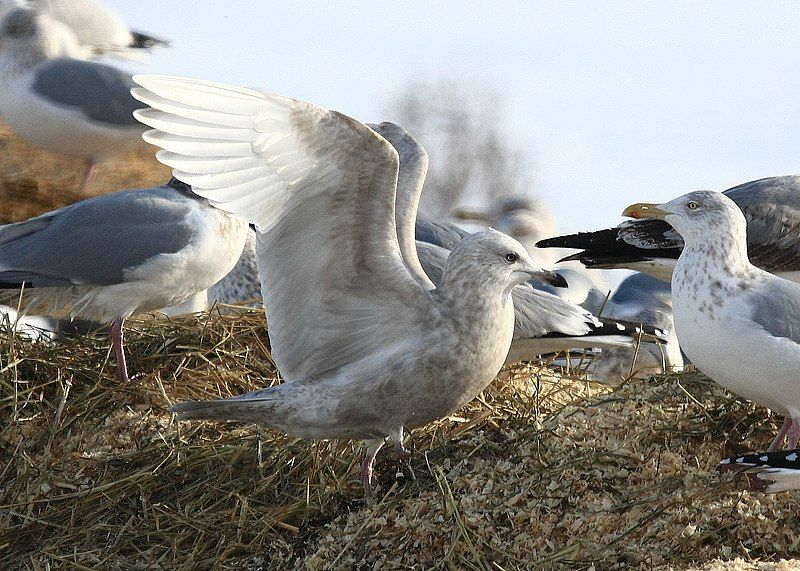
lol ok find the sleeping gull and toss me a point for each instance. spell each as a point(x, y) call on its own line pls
point(770, 472)
point(116, 255)
point(366, 346)
point(62, 104)
point(738, 324)
point(771, 207)
point(640, 299)
point(88, 28)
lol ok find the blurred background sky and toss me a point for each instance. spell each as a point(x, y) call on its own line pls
point(611, 103)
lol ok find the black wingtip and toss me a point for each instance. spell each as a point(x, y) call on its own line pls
point(572, 258)
point(142, 41)
point(179, 185)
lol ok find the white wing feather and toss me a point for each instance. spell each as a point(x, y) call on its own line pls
point(320, 188)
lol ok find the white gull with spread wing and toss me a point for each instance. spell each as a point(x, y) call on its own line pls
point(366, 345)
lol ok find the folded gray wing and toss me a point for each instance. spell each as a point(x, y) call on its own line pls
point(438, 232)
point(771, 207)
point(95, 241)
point(410, 180)
point(775, 306)
point(98, 91)
point(320, 188)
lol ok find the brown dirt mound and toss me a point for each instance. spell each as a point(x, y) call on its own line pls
point(34, 181)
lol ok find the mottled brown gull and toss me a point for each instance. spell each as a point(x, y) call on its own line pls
point(543, 322)
point(367, 348)
point(738, 323)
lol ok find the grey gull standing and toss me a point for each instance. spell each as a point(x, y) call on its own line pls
point(366, 350)
point(109, 257)
point(737, 323)
point(62, 104)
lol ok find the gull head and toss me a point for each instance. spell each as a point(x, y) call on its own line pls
point(494, 259)
point(31, 36)
point(697, 216)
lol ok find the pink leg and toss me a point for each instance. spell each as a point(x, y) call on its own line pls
point(781, 436)
point(794, 435)
point(366, 467)
point(403, 453)
point(87, 175)
point(119, 350)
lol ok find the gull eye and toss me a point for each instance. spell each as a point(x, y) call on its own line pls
point(511, 258)
point(692, 205)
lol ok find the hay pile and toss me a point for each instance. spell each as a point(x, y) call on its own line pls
point(542, 471)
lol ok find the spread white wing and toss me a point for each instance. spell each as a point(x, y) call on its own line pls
point(320, 187)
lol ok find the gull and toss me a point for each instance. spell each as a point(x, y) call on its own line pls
point(116, 255)
point(241, 285)
point(739, 324)
point(771, 207)
point(62, 104)
point(544, 322)
point(771, 472)
point(366, 345)
point(525, 218)
point(640, 299)
point(88, 28)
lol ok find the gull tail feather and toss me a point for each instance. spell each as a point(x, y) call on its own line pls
point(252, 407)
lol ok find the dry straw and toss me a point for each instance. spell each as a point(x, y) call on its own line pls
point(542, 470)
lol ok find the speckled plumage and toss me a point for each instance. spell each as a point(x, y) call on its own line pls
point(771, 207)
point(736, 322)
point(365, 346)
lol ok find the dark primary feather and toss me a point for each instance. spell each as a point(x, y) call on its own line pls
point(770, 205)
point(99, 91)
point(630, 242)
point(618, 327)
point(778, 459)
point(140, 40)
point(94, 241)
